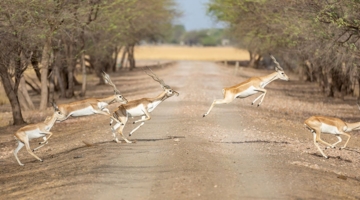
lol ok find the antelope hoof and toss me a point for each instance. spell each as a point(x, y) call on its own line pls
point(41, 160)
point(252, 103)
point(258, 105)
point(204, 115)
point(133, 122)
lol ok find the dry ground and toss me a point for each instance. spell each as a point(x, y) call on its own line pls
point(238, 151)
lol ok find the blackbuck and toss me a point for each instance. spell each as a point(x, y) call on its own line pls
point(251, 86)
point(329, 125)
point(139, 108)
point(33, 131)
point(92, 105)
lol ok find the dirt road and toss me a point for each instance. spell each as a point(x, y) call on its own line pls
point(238, 151)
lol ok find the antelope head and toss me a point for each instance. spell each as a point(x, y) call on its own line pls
point(169, 92)
point(118, 97)
point(280, 70)
point(57, 112)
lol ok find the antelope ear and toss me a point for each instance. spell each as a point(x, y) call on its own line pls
point(55, 106)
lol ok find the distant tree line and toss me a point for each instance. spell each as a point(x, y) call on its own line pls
point(316, 38)
point(203, 37)
point(52, 36)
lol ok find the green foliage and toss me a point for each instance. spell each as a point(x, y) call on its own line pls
point(175, 34)
point(205, 37)
point(325, 34)
point(264, 25)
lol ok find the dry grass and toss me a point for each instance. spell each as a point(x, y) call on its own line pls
point(189, 53)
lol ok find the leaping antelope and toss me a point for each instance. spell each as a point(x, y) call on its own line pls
point(139, 108)
point(329, 125)
point(92, 106)
point(32, 131)
point(251, 86)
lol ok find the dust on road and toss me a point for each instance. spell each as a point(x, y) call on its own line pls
point(238, 151)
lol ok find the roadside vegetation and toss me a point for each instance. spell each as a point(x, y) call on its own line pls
point(52, 37)
point(317, 39)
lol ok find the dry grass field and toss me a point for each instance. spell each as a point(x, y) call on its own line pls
point(190, 53)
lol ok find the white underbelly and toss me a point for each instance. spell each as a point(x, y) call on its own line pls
point(34, 134)
point(248, 92)
point(82, 112)
point(325, 128)
point(138, 110)
point(135, 112)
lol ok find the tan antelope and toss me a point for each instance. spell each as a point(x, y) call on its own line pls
point(139, 108)
point(32, 131)
point(329, 125)
point(92, 106)
point(251, 86)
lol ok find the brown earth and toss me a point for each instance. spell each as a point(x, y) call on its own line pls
point(238, 151)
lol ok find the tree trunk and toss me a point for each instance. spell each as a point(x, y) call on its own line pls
point(123, 57)
point(13, 98)
point(25, 94)
point(22, 101)
point(58, 80)
point(329, 89)
point(358, 97)
point(70, 74)
point(35, 87)
point(35, 63)
point(52, 86)
point(310, 70)
point(251, 63)
point(83, 67)
point(45, 60)
point(131, 57)
point(257, 62)
point(117, 51)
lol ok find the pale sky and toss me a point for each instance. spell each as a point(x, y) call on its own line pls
point(194, 15)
